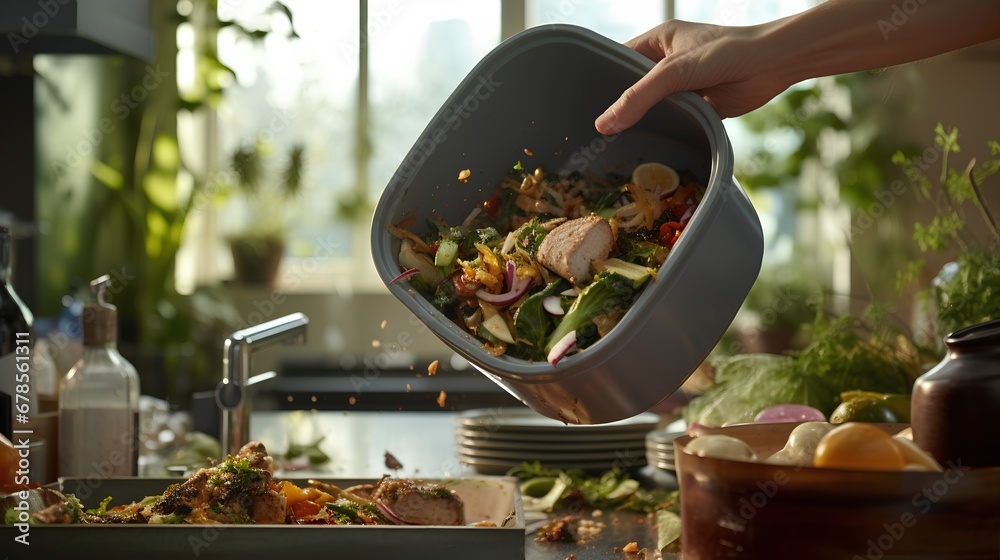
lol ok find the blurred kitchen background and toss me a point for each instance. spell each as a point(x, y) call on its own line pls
point(221, 160)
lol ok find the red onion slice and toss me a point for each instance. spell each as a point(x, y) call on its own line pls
point(516, 292)
point(553, 305)
point(511, 274)
point(389, 514)
point(564, 345)
point(405, 275)
point(570, 293)
point(687, 215)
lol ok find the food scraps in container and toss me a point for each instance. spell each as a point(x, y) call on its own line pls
point(432, 368)
point(463, 175)
point(441, 398)
point(550, 264)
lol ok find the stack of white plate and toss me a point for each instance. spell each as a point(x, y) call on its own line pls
point(493, 441)
point(660, 446)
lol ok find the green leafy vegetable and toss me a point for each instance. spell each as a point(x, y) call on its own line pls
point(668, 530)
point(971, 295)
point(532, 321)
point(840, 358)
point(101, 508)
point(609, 293)
point(529, 236)
point(486, 236)
point(549, 489)
point(312, 451)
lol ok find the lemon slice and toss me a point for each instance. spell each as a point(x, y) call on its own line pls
point(656, 177)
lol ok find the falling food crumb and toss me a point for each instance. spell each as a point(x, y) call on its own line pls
point(441, 398)
point(432, 368)
point(631, 548)
point(527, 152)
point(463, 175)
point(407, 387)
point(376, 344)
point(411, 367)
point(391, 462)
point(382, 326)
point(353, 401)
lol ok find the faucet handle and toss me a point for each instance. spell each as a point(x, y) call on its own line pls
point(230, 394)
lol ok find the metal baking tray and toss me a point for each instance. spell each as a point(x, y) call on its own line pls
point(486, 498)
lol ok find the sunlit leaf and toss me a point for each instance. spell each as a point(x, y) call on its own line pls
point(107, 175)
point(161, 189)
point(165, 152)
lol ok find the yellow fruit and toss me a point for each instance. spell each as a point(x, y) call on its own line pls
point(656, 177)
point(858, 446)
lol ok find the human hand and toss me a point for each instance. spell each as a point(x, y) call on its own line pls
point(722, 64)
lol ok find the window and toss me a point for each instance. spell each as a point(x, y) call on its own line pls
point(358, 102)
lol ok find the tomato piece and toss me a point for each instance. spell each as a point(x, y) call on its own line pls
point(667, 234)
point(434, 248)
point(670, 232)
point(305, 509)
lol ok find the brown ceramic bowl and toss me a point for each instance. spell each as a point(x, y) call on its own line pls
point(736, 509)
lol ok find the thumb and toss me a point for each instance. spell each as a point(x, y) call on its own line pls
point(635, 101)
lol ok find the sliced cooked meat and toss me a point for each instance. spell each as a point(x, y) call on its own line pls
point(238, 490)
point(419, 503)
point(570, 249)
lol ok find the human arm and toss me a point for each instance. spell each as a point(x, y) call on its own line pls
point(738, 69)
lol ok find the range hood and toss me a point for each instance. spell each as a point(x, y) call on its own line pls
point(76, 27)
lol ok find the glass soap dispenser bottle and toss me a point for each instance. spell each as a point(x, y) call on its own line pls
point(99, 400)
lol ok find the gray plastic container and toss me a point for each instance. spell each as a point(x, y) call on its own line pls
point(540, 91)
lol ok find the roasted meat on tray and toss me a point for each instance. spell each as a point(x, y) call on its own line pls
point(408, 502)
point(241, 490)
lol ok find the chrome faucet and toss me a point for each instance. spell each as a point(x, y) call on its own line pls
point(230, 394)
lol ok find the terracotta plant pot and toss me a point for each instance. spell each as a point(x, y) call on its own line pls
point(256, 261)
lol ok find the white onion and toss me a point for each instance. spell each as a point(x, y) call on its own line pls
point(553, 305)
point(472, 216)
point(570, 293)
point(508, 243)
point(687, 214)
point(564, 345)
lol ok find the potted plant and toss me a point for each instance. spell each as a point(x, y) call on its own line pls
point(269, 196)
point(966, 290)
point(783, 299)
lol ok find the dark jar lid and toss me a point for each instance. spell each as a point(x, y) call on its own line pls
point(984, 336)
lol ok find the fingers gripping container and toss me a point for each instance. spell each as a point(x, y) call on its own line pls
point(538, 93)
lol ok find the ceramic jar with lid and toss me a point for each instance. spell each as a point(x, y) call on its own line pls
point(956, 405)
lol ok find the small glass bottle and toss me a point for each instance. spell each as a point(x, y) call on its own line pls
point(99, 400)
point(15, 343)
